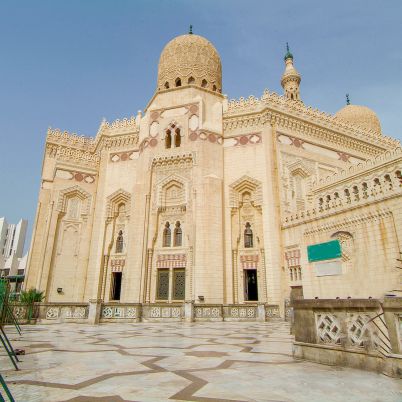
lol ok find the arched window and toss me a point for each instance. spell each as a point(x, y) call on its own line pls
point(178, 82)
point(119, 242)
point(214, 87)
point(191, 80)
point(177, 235)
point(168, 139)
point(177, 138)
point(167, 85)
point(167, 235)
point(204, 83)
point(248, 236)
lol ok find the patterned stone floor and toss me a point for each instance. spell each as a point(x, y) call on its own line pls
point(203, 362)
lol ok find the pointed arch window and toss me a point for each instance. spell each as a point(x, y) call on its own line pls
point(191, 80)
point(167, 235)
point(248, 236)
point(119, 242)
point(178, 235)
point(177, 138)
point(168, 139)
point(178, 82)
point(204, 83)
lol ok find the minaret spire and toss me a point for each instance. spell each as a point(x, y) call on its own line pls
point(291, 78)
point(190, 31)
point(347, 99)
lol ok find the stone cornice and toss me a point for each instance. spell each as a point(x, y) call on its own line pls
point(306, 121)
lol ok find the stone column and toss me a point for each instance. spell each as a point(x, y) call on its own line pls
point(94, 312)
point(235, 277)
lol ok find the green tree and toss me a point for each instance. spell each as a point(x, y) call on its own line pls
point(29, 298)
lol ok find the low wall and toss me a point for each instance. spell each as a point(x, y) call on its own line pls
point(96, 311)
point(360, 333)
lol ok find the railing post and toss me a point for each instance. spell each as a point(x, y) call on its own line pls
point(261, 312)
point(94, 312)
point(189, 311)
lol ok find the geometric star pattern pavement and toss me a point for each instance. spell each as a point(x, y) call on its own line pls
point(203, 362)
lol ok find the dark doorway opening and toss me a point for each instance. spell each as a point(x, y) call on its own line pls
point(116, 285)
point(251, 287)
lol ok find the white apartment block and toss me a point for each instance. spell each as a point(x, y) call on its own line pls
point(12, 240)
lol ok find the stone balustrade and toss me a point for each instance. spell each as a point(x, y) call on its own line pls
point(358, 190)
point(361, 333)
point(61, 312)
point(381, 162)
point(136, 312)
point(114, 312)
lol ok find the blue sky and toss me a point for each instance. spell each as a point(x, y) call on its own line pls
point(68, 64)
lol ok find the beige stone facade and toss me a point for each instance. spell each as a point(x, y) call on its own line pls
point(209, 201)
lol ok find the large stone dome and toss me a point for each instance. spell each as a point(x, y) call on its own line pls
point(361, 116)
point(190, 60)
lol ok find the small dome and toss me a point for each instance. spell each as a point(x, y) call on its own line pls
point(190, 59)
point(361, 116)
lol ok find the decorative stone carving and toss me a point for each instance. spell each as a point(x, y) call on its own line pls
point(246, 184)
point(107, 312)
point(191, 59)
point(52, 313)
point(328, 328)
point(120, 312)
point(114, 200)
point(70, 192)
point(272, 311)
point(155, 312)
point(362, 331)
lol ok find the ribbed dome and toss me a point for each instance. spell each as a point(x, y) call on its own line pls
point(361, 116)
point(190, 59)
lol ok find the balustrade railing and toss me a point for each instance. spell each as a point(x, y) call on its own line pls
point(347, 195)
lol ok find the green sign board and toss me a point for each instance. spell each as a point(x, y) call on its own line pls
point(324, 251)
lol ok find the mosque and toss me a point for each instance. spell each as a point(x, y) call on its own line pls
point(204, 204)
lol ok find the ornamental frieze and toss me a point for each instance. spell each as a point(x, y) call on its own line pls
point(171, 261)
point(181, 110)
point(117, 264)
point(204, 135)
point(244, 139)
point(308, 131)
point(122, 156)
point(249, 261)
point(75, 176)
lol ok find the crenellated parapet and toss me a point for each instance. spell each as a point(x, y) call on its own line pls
point(119, 126)
point(85, 151)
point(73, 140)
point(308, 121)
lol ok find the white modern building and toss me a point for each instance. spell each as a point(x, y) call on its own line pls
point(12, 241)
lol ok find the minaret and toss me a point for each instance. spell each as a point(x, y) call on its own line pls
point(291, 78)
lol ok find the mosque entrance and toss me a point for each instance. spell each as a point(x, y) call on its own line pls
point(250, 285)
